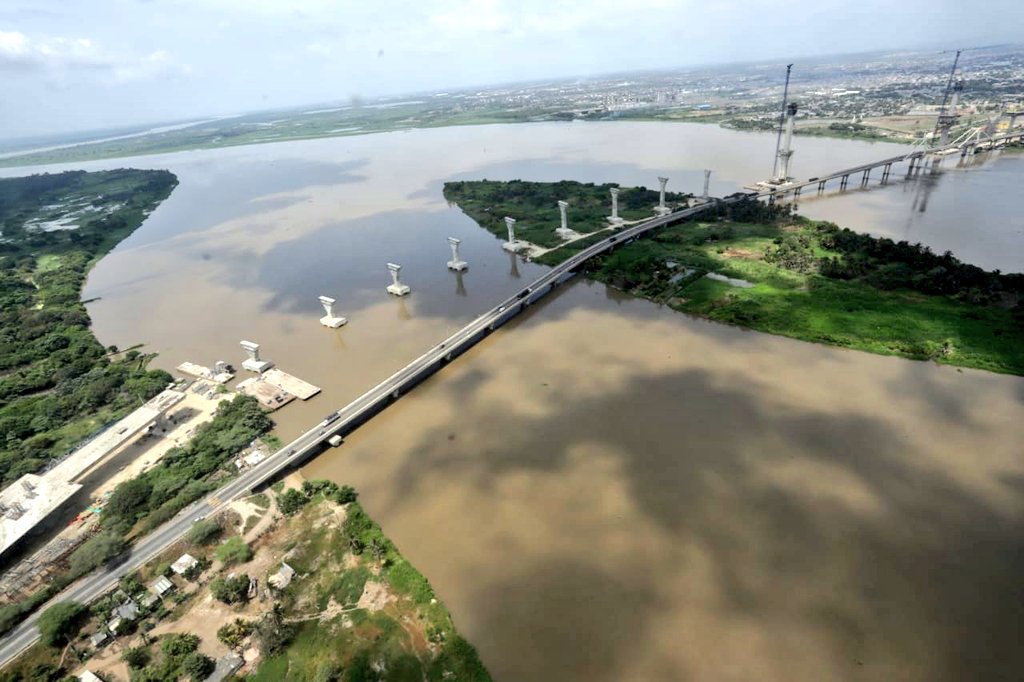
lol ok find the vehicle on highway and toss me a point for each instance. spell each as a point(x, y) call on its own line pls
point(330, 418)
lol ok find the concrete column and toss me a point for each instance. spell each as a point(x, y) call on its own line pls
point(661, 208)
point(396, 287)
point(707, 183)
point(511, 245)
point(614, 217)
point(564, 232)
point(253, 363)
point(456, 263)
point(330, 319)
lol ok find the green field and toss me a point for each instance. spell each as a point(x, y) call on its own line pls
point(810, 280)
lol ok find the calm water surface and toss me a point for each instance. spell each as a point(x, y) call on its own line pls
point(606, 490)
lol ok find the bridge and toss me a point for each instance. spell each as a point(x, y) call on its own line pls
point(971, 142)
point(351, 416)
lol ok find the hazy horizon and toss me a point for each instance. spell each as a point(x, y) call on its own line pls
point(130, 63)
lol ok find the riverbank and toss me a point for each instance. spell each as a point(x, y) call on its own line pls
point(807, 280)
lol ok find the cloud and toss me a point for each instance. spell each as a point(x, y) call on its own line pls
point(19, 52)
point(63, 59)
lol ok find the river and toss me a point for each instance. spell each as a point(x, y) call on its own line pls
point(604, 489)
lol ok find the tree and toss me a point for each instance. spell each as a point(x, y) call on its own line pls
point(95, 551)
point(197, 665)
point(179, 644)
point(129, 499)
point(137, 657)
point(272, 632)
point(203, 531)
point(61, 622)
point(234, 551)
point(230, 590)
point(291, 501)
point(345, 494)
point(232, 634)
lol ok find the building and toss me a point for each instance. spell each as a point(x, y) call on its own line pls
point(99, 639)
point(283, 577)
point(184, 564)
point(88, 676)
point(226, 666)
point(160, 587)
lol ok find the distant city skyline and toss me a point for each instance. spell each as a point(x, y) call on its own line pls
point(97, 65)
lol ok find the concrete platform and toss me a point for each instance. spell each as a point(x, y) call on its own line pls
point(270, 397)
point(201, 372)
point(514, 247)
point(399, 289)
point(333, 322)
point(290, 384)
point(258, 366)
point(458, 265)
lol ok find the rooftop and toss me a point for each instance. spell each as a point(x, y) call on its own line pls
point(28, 501)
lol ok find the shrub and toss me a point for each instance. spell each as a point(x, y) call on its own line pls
point(197, 665)
point(234, 551)
point(61, 622)
point(137, 657)
point(179, 644)
point(291, 501)
point(230, 590)
point(203, 531)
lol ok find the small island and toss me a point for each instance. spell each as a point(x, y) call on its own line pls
point(762, 268)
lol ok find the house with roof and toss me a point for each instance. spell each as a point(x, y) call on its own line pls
point(184, 564)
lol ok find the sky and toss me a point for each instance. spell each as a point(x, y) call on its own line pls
point(72, 65)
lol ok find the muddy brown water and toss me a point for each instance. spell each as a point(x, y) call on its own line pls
point(607, 490)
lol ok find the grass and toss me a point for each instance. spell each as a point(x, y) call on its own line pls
point(808, 305)
point(356, 640)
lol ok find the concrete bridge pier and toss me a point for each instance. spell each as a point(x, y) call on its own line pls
point(910, 167)
point(614, 218)
point(512, 245)
point(821, 186)
point(456, 263)
point(330, 319)
point(396, 288)
point(885, 173)
point(864, 177)
point(842, 182)
point(661, 208)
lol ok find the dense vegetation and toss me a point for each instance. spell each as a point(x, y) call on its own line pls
point(817, 282)
point(57, 383)
point(187, 473)
point(810, 280)
point(534, 205)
